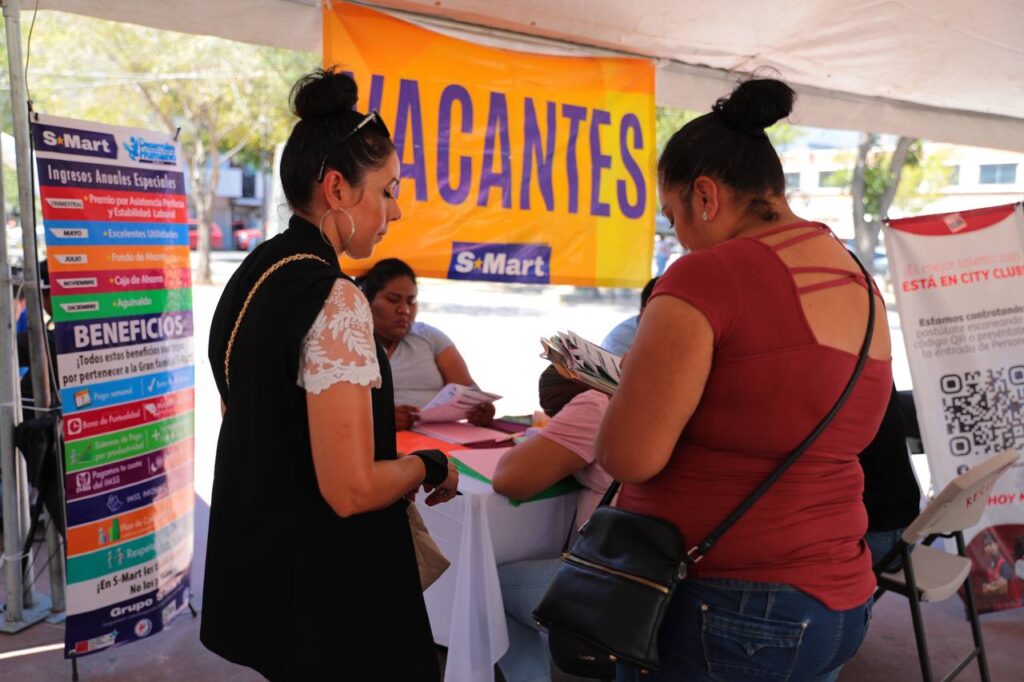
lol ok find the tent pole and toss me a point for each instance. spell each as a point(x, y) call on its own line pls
point(39, 360)
point(12, 467)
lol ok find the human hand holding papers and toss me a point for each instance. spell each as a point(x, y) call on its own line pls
point(580, 360)
point(454, 402)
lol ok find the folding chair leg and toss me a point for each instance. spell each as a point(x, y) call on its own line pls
point(915, 616)
point(972, 616)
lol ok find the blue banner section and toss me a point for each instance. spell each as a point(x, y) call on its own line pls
point(74, 337)
point(483, 262)
point(64, 140)
point(60, 173)
point(85, 233)
point(125, 390)
point(128, 499)
point(124, 622)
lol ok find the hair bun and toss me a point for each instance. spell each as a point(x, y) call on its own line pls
point(322, 93)
point(757, 103)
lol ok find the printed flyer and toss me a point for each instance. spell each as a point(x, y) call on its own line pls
point(116, 222)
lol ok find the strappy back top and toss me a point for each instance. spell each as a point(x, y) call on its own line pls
point(771, 382)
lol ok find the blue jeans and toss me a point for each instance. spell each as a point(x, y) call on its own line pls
point(523, 584)
point(728, 630)
point(880, 542)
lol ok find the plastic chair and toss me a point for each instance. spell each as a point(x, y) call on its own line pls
point(925, 574)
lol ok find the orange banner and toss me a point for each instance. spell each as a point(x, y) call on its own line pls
point(516, 167)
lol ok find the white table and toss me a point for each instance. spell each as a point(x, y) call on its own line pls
point(477, 531)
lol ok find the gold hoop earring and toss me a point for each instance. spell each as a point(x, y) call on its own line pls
point(352, 223)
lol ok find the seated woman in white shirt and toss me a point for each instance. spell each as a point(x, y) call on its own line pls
point(565, 447)
point(423, 359)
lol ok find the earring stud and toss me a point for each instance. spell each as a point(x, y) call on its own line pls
point(704, 216)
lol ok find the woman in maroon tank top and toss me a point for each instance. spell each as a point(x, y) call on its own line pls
point(745, 345)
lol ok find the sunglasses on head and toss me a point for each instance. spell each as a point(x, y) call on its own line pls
point(372, 117)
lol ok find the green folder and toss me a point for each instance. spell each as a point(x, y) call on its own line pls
point(563, 487)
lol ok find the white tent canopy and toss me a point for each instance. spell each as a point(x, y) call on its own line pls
point(943, 70)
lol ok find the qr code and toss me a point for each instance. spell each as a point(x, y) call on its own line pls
point(984, 410)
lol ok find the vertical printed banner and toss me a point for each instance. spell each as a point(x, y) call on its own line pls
point(959, 280)
point(115, 216)
point(515, 167)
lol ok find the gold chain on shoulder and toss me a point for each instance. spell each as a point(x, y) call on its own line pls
point(248, 299)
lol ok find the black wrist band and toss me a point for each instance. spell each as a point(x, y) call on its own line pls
point(436, 464)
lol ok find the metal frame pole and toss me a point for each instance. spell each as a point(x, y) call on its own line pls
point(39, 359)
point(12, 471)
point(39, 362)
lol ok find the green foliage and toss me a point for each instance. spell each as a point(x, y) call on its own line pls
point(922, 181)
point(922, 177)
point(136, 76)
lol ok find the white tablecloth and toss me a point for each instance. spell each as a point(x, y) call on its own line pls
point(477, 531)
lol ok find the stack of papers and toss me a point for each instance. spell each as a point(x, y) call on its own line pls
point(580, 360)
point(454, 402)
point(461, 432)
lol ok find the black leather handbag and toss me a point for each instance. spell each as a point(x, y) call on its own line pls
point(612, 589)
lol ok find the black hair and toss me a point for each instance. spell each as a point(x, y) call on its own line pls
point(555, 391)
point(648, 289)
point(381, 273)
point(730, 145)
point(325, 101)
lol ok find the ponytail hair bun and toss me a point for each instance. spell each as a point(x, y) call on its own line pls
point(756, 104)
point(323, 93)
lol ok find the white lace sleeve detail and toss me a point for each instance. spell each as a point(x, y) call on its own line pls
point(340, 346)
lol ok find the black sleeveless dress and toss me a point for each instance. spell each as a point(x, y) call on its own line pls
point(292, 589)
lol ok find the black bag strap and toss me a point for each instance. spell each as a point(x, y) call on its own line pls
point(697, 552)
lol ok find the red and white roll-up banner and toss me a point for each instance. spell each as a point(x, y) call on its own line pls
point(959, 280)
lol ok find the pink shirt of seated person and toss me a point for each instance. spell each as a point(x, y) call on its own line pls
point(574, 428)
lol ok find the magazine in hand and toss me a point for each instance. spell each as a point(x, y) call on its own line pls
point(580, 360)
point(454, 402)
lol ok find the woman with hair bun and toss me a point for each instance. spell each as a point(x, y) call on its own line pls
point(744, 347)
point(310, 568)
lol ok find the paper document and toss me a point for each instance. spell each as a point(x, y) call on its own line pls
point(454, 402)
point(460, 432)
point(484, 462)
point(576, 358)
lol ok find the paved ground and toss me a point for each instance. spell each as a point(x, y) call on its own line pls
point(497, 329)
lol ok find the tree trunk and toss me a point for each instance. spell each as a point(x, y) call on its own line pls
point(866, 231)
point(899, 159)
point(204, 189)
point(865, 235)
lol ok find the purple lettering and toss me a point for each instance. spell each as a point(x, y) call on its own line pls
point(533, 151)
point(453, 194)
point(376, 92)
point(497, 126)
point(576, 115)
point(598, 162)
point(409, 112)
point(631, 122)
